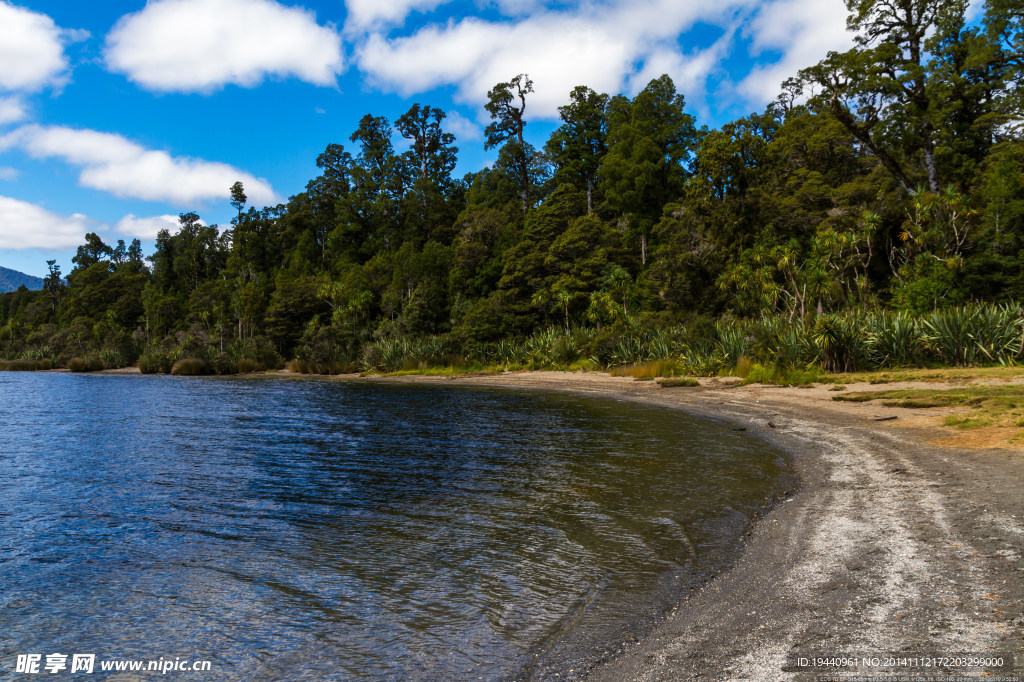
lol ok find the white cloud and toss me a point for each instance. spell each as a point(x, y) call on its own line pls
point(688, 72)
point(28, 226)
point(31, 50)
point(147, 228)
point(609, 45)
point(9, 174)
point(804, 31)
point(114, 164)
point(364, 13)
point(200, 45)
point(12, 110)
point(975, 10)
point(461, 127)
point(599, 47)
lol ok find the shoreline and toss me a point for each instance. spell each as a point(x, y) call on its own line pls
point(904, 537)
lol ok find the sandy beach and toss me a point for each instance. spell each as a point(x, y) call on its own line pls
point(904, 537)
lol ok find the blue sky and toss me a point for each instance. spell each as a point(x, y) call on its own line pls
point(117, 116)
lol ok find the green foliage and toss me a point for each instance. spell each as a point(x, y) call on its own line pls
point(973, 334)
point(842, 344)
point(895, 339)
point(871, 217)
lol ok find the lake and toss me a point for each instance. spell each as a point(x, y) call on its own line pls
point(324, 529)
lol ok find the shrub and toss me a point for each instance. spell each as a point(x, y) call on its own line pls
point(112, 359)
point(248, 365)
point(89, 364)
point(156, 362)
point(895, 339)
point(841, 343)
point(191, 367)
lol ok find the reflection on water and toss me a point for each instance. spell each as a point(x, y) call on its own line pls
point(323, 530)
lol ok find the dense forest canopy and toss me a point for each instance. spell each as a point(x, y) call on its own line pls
point(890, 176)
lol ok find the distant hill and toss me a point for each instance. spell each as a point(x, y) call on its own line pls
point(10, 280)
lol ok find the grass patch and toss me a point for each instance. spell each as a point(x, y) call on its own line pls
point(964, 422)
point(915, 403)
point(24, 365)
point(861, 397)
point(989, 405)
point(757, 373)
point(952, 375)
point(648, 370)
point(678, 382)
point(448, 371)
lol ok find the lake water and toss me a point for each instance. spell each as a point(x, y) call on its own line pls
point(304, 529)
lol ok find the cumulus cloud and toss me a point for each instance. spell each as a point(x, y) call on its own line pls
point(200, 45)
point(364, 13)
point(28, 226)
point(461, 127)
point(114, 164)
point(804, 31)
point(147, 228)
point(12, 110)
point(610, 45)
point(559, 50)
point(31, 50)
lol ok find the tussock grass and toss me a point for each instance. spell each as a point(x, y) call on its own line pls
point(24, 365)
point(89, 364)
point(248, 365)
point(156, 363)
point(191, 367)
point(678, 382)
point(756, 373)
point(648, 370)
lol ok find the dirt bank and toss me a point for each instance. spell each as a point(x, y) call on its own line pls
point(900, 540)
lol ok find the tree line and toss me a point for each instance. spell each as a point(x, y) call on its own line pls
point(886, 177)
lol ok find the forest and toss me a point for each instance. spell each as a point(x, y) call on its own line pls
point(871, 216)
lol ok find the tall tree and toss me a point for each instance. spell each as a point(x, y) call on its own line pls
point(376, 182)
point(507, 125)
point(53, 283)
point(579, 144)
point(650, 141)
point(433, 150)
point(238, 198)
point(884, 91)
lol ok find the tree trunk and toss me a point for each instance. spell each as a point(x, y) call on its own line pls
point(929, 162)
